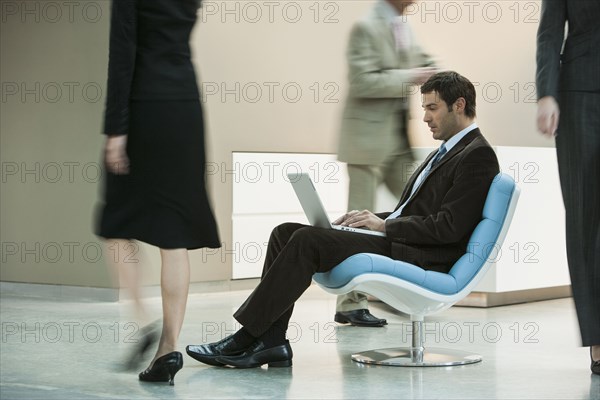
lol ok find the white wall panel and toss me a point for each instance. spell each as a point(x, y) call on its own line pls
point(533, 254)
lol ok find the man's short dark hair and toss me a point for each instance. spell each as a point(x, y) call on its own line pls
point(450, 86)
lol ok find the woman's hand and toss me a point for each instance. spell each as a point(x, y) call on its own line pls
point(115, 155)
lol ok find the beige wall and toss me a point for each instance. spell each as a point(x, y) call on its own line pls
point(252, 58)
point(53, 132)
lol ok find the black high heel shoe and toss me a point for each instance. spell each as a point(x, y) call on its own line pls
point(164, 369)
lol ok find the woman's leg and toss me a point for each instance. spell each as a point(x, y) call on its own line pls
point(122, 255)
point(174, 283)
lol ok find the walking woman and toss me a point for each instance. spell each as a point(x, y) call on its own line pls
point(154, 154)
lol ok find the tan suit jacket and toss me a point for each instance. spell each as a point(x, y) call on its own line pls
point(380, 81)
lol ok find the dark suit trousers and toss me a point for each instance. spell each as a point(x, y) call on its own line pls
point(296, 252)
point(578, 149)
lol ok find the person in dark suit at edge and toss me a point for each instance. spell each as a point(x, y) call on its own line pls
point(568, 90)
point(430, 227)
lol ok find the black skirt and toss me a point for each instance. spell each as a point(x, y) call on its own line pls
point(163, 199)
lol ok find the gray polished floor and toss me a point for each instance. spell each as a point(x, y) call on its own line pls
point(67, 350)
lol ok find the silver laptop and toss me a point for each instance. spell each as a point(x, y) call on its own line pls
point(313, 208)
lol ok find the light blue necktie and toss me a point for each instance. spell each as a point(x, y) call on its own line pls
point(441, 152)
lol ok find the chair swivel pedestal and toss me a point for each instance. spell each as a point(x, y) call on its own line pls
point(416, 355)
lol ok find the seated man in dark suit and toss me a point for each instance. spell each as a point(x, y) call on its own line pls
point(430, 227)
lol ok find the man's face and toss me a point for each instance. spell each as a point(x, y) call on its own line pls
point(442, 123)
point(401, 5)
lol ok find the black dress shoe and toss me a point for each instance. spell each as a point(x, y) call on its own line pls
point(595, 367)
point(258, 354)
point(164, 369)
point(360, 317)
point(208, 353)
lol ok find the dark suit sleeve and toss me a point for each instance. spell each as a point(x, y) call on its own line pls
point(550, 38)
point(461, 207)
point(121, 64)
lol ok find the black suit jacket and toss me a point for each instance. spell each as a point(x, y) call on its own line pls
point(149, 56)
point(436, 223)
point(573, 79)
point(578, 67)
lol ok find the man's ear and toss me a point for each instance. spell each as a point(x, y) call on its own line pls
point(460, 104)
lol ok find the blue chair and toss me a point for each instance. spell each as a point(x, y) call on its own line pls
point(420, 293)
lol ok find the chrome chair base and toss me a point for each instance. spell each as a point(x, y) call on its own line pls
point(411, 357)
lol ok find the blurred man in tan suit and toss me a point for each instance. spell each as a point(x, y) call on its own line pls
point(385, 64)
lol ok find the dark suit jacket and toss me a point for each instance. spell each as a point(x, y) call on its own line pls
point(436, 223)
point(149, 56)
point(573, 79)
point(578, 67)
